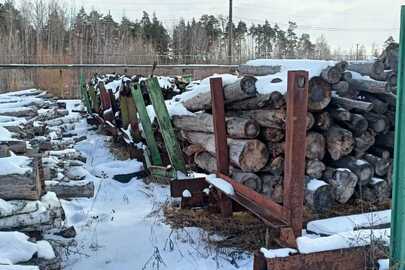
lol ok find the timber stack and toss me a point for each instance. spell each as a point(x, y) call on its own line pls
point(350, 132)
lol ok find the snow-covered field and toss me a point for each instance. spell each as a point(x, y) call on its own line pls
point(123, 227)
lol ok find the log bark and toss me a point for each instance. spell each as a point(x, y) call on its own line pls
point(319, 95)
point(379, 106)
point(377, 191)
point(323, 121)
point(342, 88)
point(275, 100)
point(331, 74)
point(315, 168)
point(276, 149)
point(258, 70)
point(67, 190)
point(272, 135)
point(357, 124)
point(241, 89)
point(372, 69)
point(342, 66)
point(385, 140)
point(350, 104)
point(361, 168)
point(380, 165)
point(238, 128)
point(315, 146)
point(310, 120)
point(24, 186)
point(364, 142)
point(347, 76)
point(339, 142)
point(207, 162)
point(265, 118)
point(318, 196)
point(340, 114)
point(343, 182)
point(369, 86)
point(274, 166)
point(272, 187)
point(377, 122)
point(248, 155)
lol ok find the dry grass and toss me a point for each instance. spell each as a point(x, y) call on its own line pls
point(242, 231)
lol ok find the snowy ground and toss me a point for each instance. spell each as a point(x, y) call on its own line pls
point(122, 227)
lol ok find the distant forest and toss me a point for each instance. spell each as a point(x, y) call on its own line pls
point(48, 32)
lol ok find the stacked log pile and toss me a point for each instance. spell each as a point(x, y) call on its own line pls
point(350, 134)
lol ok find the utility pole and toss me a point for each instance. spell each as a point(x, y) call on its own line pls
point(357, 51)
point(230, 36)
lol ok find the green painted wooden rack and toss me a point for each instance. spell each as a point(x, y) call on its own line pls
point(84, 94)
point(152, 156)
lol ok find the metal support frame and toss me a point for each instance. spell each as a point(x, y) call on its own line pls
point(288, 217)
point(397, 255)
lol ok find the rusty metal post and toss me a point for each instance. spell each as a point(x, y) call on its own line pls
point(294, 167)
point(221, 145)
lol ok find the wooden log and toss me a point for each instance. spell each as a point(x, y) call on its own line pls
point(390, 98)
point(347, 76)
point(377, 191)
point(248, 155)
point(339, 142)
point(358, 124)
point(340, 114)
point(22, 181)
point(207, 162)
point(342, 87)
point(331, 74)
point(310, 120)
point(275, 100)
point(248, 179)
point(385, 140)
point(272, 135)
point(380, 152)
point(361, 168)
point(258, 70)
point(315, 168)
point(34, 216)
point(315, 146)
point(390, 57)
point(323, 121)
point(276, 149)
point(350, 104)
point(369, 68)
point(379, 106)
point(318, 195)
point(67, 190)
point(370, 86)
point(364, 142)
point(319, 95)
point(16, 146)
point(380, 165)
point(392, 79)
point(274, 166)
point(343, 182)
point(272, 187)
point(377, 122)
point(342, 66)
point(241, 89)
point(238, 128)
point(265, 118)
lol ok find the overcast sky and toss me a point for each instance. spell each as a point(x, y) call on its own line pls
point(344, 22)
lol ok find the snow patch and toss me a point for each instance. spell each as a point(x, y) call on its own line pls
point(277, 253)
point(221, 184)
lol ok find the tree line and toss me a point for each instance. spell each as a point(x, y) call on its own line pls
point(48, 32)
